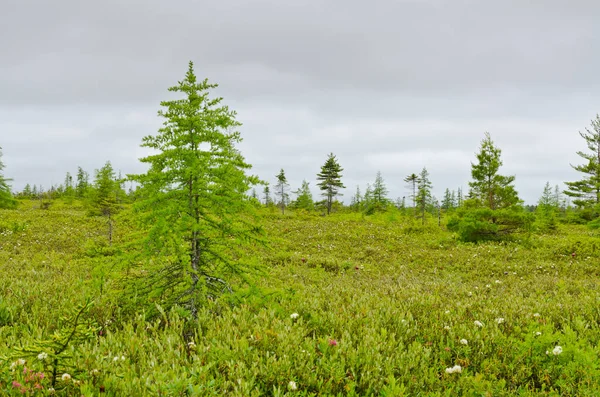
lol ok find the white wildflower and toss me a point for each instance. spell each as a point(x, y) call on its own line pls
point(292, 385)
point(500, 320)
point(478, 323)
point(42, 356)
point(294, 316)
point(464, 342)
point(19, 363)
point(447, 327)
point(192, 345)
point(51, 391)
point(538, 333)
point(457, 369)
point(497, 281)
point(536, 314)
point(65, 377)
point(488, 286)
point(557, 350)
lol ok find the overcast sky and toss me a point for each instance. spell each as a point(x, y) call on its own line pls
point(389, 85)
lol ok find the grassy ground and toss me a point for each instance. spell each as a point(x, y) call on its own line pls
point(349, 306)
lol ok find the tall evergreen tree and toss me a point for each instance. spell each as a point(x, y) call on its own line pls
point(490, 188)
point(459, 197)
point(281, 189)
point(424, 197)
point(586, 191)
point(82, 183)
point(413, 180)
point(6, 198)
point(194, 203)
point(330, 180)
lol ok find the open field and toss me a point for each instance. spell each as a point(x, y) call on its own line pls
point(384, 307)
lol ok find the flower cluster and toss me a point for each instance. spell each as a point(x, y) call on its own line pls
point(457, 369)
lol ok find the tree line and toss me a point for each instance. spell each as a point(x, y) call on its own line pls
point(196, 207)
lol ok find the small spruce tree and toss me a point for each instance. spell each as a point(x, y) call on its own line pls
point(330, 180)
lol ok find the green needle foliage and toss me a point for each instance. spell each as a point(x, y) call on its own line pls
point(493, 190)
point(281, 189)
point(424, 196)
point(330, 180)
point(305, 199)
point(58, 352)
point(586, 192)
point(6, 199)
point(193, 204)
point(493, 211)
point(413, 181)
point(103, 197)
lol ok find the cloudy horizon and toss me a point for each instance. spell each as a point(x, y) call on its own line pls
point(390, 86)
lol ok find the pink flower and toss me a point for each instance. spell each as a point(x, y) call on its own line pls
point(333, 342)
point(16, 384)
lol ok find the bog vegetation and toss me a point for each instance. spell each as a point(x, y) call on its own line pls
point(190, 284)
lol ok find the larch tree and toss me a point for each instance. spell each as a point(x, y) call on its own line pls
point(6, 198)
point(281, 190)
point(493, 190)
point(304, 198)
point(103, 196)
point(424, 197)
point(547, 209)
point(194, 205)
point(330, 180)
point(586, 191)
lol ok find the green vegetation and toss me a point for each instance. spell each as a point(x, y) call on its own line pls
point(204, 290)
point(382, 307)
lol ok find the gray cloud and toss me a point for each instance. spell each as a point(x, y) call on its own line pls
point(388, 85)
